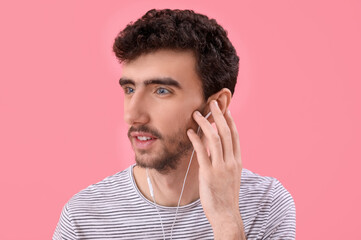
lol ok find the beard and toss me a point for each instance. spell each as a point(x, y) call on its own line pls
point(173, 149)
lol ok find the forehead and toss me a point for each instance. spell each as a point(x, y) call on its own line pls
point(177, 65)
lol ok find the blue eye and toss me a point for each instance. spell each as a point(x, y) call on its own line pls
point(128, 90)
point(162, 91)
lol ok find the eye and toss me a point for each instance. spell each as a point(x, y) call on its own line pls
point(162, 91)
point(128, 90)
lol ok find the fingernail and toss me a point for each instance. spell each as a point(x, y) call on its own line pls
point(198, 113)
point(215, 103)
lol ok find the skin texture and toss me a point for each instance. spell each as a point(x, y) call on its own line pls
point(168, 112)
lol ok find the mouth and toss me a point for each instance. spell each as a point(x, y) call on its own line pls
point(143, 140)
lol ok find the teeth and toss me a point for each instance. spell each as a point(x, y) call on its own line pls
point(143, 138)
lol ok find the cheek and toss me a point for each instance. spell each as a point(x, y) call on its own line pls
point(172, 121)
point(175, 116)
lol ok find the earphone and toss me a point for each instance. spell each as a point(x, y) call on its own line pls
point(180, 197)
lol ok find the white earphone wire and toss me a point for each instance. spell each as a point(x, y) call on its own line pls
point(155, 204)
point(181, 194)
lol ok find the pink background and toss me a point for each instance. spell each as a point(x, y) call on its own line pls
point(297, 104)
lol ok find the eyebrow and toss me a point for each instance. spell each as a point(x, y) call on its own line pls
point(161, 81)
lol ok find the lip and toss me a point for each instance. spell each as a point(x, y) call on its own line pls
point(136, 134)
point(143, 144)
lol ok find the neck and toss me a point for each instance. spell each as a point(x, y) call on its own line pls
point(167, 186)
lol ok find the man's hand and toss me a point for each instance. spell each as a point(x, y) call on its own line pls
point(219, 173)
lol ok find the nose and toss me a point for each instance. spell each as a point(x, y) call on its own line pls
point(135, 109)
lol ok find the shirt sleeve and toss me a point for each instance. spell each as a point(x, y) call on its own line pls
point(282, 215)
point(64, 229)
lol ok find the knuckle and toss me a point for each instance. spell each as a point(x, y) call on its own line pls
point(231, 165)
point(226, 130)
point(215, 138)
point(239, 165)
point(235, 133)
point(196, 145)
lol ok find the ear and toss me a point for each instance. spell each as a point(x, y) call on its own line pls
point(223, 98)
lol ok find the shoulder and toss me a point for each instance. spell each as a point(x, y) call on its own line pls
point(254, 183)
point(95, 203)
point(105, 190)
point(266, 203)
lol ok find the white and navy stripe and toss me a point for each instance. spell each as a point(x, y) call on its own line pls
point(114, 208)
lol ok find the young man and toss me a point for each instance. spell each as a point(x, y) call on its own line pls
point(179, 75)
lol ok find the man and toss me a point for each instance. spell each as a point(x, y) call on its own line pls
point(179, 74)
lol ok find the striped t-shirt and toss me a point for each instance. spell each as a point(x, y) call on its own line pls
point(114, 208)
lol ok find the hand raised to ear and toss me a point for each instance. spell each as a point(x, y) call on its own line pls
point(219, 173)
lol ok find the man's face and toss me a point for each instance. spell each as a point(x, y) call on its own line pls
point(161, 91)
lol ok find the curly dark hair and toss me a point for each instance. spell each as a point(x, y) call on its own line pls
point(217, 60)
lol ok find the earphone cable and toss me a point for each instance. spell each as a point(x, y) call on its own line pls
point(181, 194)
point(155, 204)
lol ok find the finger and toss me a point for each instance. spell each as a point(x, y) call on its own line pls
point(235, 137)
point(223, 131)
point(202, 155)
point(213, 139)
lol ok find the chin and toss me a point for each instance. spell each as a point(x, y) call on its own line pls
point(160, 165)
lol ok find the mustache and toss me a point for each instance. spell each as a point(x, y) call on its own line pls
point(145, 129)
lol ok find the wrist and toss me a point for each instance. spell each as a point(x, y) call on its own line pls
point(230, 228)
